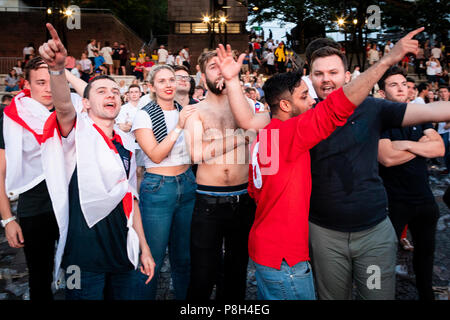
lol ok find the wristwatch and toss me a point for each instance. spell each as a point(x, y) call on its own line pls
point(56, 73)
point(177, 130)
point(5, 222)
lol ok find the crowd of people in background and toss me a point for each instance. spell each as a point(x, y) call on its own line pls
point(263, 58)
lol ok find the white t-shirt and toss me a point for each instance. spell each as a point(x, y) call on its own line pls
point(184, 55)
point(144, 100)
point(123, 90)
point(127, 114)
point(106, 53)
point(418, 100)
point(374, 55)
point(179, 154)
point(28, 50)
point(162, 55)
point(170, 60)
point(179, 60)
point(436, 52)
point(90, 49)
point(431, 68)
point(85, 64)
point(355, 74)
point(271, 59)
point(75, 72)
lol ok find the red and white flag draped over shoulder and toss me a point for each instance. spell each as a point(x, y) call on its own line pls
point(102, 180)
point(23, 126)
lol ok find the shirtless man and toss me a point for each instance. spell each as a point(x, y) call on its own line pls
point(223, 211)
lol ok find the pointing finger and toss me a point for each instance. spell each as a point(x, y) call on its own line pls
point(52, 31)
point(414, 32)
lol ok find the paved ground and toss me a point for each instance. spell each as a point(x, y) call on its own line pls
point(14, 275)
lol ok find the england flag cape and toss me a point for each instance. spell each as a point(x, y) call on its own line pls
point(102, 180)
point(23, 126)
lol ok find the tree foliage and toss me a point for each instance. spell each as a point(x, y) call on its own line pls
point(403, 14)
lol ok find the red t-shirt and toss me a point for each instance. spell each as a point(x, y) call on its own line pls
point(149, 64)
point(280, 182)
point(139, 67)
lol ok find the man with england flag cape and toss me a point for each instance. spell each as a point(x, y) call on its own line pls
point(91, 177)
point(22, 176)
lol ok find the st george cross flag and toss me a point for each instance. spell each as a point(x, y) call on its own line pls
point(102, 179)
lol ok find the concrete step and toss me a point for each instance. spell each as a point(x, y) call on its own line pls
point(128, 79)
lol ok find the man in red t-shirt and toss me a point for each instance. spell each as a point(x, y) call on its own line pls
point(280, 173)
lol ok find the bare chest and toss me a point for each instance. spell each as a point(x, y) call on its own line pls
point(215, 122)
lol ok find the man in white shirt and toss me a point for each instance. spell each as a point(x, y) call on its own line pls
point(125, 121)
point(91, 47)
point(356, 72)
point(184, 53)
point(162, 55)
point(270, 58)
point(423, 89)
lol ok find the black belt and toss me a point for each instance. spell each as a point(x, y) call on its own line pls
point(221, 199)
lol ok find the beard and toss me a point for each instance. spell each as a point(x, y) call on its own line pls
point(212, 86)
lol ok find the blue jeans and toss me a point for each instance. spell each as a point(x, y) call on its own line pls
point(288, 283)
point(13, 88)
point(166, 204)
point(101, 285)
point(445, 137)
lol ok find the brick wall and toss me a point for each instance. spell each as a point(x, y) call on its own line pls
point(20, 28)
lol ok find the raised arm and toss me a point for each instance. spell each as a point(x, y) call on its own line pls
point(78, 84)
point(241, 109)
point(54, 55)
point(438, 111)
point(358, 89)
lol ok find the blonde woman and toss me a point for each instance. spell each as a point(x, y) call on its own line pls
point(167, 192)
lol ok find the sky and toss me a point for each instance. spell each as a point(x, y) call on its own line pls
point(278, 31)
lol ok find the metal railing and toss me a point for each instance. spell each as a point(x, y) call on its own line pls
point(7, 63)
